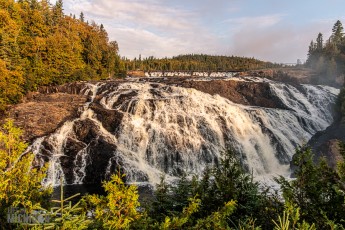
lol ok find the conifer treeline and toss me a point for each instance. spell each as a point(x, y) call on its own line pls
point(327, 58)
point(40, 45)
point(196, 62)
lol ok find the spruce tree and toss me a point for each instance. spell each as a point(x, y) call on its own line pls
point(319, 42)
point(337, 32)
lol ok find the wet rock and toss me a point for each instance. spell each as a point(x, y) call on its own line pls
point(110, 119)
point(99, 154)
point(71, 149)
point(85, 130)
point(326, 143)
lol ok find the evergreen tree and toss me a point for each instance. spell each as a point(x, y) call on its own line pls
point(319, 42)
point(118, 208)
point(58, 11)
point(328, 60)
point(81, 17)
point(337, 32)
point(315, 190)
point(197, 62)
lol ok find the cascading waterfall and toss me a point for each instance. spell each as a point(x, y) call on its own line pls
point(151, 129)
point(53, 147)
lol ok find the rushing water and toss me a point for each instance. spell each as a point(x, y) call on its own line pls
point(151, 129)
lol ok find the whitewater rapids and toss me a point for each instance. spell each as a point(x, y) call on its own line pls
point(167, 130)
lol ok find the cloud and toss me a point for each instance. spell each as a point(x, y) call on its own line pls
point(259, 21)
point(139, 41)
point(281, 43)
point(150, 28)
point(144, 14)
point(170, 27)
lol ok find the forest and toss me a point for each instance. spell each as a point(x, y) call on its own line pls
point(40, 45)
point(327, 57)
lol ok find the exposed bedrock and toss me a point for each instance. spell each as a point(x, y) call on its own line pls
point(241, 92)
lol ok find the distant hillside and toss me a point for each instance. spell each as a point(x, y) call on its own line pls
point(197, 62)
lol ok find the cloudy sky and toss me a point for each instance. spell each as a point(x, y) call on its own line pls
point(271, 30)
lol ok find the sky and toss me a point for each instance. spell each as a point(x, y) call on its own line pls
point(271, 30)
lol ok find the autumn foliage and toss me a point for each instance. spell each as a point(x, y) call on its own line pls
point(40, 45)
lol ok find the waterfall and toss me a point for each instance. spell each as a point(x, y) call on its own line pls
point(150, 129)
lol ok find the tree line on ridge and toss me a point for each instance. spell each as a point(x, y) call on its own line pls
point(196, 62)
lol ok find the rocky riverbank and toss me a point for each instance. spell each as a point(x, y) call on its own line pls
point(40, 114)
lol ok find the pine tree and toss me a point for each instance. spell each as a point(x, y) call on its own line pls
point(118, 208)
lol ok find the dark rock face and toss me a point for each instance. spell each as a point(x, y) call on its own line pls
point(85, 154)
point(331, 152)
point(99, 154)
point(70, 88)
point(71, 150)
point(97, 150)
point(111, 119)
point(85, 130)
point(326, 143)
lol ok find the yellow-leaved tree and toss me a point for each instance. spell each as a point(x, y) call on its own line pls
point(20, 183)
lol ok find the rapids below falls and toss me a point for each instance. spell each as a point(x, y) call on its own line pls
point(149, 129)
